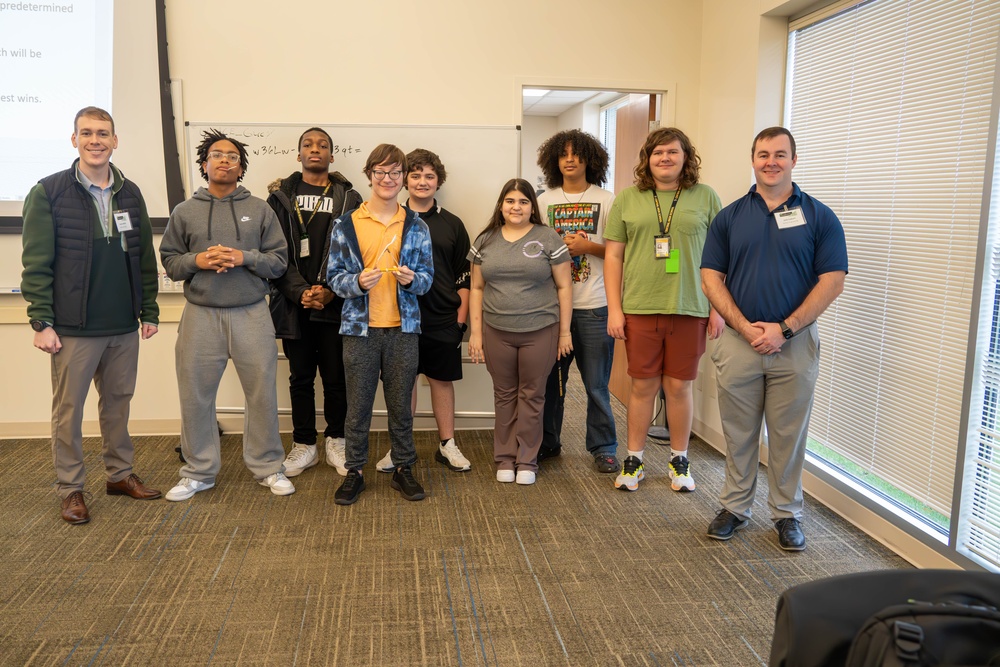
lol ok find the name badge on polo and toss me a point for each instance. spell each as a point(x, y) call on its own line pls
point(790, 217)
point(122, 221)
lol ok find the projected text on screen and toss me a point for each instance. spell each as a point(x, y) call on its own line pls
point(56, 58)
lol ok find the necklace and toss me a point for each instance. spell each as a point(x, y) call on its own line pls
point(582, 195)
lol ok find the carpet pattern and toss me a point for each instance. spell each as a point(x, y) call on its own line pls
point(565, 572)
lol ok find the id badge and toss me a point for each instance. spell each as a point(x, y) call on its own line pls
point(304, 246)
point(122, 221)
point(790, 217)
point(662, 244)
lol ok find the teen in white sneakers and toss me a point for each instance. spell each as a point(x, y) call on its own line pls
point(444, 309)
point(520, 308)
point(225, 244)
point(305, 312)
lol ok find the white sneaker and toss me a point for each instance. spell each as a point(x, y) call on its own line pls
point(680, 474)
point(186, 488)
point(505, 476)
point(525, 477)
point(451, 456)
point(385, 463)
point(336, 455)
point(280, 486)
point(300, 458)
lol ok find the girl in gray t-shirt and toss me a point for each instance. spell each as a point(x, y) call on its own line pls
point(520, 309)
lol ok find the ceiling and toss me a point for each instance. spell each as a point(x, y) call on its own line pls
point(555, 102)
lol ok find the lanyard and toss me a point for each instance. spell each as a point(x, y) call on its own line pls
point(304, 226)
point(670, 213)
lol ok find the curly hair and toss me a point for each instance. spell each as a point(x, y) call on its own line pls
point(585, 146)
point(496, 220)
point(665, 135)
point(421, 157)
point(213, 136)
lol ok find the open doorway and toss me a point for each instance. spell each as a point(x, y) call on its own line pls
point(619, 119)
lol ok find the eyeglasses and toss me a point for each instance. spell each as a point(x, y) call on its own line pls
point(393, 175)
point(218, 155)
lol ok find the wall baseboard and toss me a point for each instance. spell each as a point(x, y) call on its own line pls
point(230, 423)
point(878, 528)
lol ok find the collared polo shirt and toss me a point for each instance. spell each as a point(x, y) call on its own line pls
point(770, 271)
point(374, 238)
point(102, 199)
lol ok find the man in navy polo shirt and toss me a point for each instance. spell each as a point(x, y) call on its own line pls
point(774, 260)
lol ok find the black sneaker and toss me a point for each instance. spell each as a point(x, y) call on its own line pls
point(550, 453)
point(606, 463)
point(725, 524)
point(407, 485)
point(350, 489)
point(790, 537)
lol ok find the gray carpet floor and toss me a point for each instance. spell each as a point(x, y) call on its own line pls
point(565, 572)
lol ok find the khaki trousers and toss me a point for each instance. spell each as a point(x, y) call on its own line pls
point(777, 389)
point(111, 362)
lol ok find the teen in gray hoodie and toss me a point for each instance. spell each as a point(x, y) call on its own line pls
point(225, 245)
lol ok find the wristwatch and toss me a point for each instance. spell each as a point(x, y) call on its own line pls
point(786, 331)
point(39, 325)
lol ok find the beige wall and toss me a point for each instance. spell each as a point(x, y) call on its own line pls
point(737, 82)
point(449, 61)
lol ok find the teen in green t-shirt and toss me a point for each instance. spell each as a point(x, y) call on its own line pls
point(654, 238)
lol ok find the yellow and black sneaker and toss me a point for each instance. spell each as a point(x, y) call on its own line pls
point(630, 476)
point(680, 474)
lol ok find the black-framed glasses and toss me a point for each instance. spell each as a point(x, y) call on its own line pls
point(393, 175)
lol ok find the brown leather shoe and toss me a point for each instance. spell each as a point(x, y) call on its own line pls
point(74, 510)
point(132, 486)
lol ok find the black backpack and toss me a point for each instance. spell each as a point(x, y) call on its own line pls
point(820, 622)
point(921, 634)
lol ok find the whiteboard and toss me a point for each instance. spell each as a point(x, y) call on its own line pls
point(477, 159)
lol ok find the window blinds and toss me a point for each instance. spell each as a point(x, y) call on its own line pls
point(890, 104)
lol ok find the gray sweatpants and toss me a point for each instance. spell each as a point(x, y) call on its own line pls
point(207, 339)
point(777, 389)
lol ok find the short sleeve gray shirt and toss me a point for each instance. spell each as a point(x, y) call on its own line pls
point(519, 293)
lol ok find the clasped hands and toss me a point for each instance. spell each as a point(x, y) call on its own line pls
point(316, 297)
point(219, 258)
point(764, 337)
point(577, 243)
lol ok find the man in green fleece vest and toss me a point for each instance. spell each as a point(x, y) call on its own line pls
point(90, 282)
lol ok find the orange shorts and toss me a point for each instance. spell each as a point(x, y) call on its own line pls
point(669, 345)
